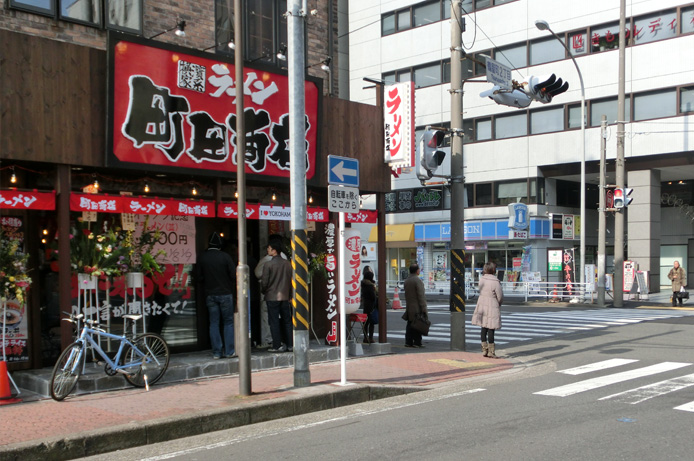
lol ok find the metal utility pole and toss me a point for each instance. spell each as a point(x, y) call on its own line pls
point(457, 258)
point(243, 346)
point(619, 169)
point(602, 215)
point(297, 162)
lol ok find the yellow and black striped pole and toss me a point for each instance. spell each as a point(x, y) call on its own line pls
point(300, 306)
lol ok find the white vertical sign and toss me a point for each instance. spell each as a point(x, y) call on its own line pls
point(352, 268)
point(398, 120)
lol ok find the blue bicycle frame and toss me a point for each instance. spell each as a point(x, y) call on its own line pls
point(86, 339)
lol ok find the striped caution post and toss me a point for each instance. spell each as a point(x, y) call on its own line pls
point(300, 280)
point(457, 280)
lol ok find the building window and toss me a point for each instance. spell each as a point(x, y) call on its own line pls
point(404, 76)
point(446, 70)
point(266, 29)
point(687, 20)
point(404, 19)
point(574, 120)
point(657, 104)
point(547, 120)
point(427, 13)
point(655, 26)
point(606, 37)
point(468, 131)
point(510, 126)
point(537, 190)
point(480, 62)
point(427, 75)
point(578, 43)
point(687, 99)
point(608, 107)
point(388, 24)
point(483, 129)
point(125, 15)
point(483, 194)
point(548, 50)
point(510, 192)
point(514, 56)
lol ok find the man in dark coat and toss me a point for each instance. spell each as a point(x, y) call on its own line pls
point(216, 270)
point(276, 285)
point(415, 303)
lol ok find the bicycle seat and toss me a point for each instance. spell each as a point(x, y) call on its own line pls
point(132, 316)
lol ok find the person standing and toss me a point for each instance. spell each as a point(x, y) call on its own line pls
point(679, 279)
point(370, 302)
point(415, 304)
point(276, 286)
point(487, 312)
point(216, 271)
point(265, 333)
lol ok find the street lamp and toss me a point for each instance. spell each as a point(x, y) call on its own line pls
point(544, 25)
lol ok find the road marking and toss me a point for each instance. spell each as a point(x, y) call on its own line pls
point(686, 407)
point(597, 366)
point(642, 393)
point(594, 383)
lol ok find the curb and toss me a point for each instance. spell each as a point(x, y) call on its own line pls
point(133, 435)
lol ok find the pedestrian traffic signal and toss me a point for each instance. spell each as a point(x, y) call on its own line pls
point(430, 156)
point(619, 198)
point(627, 193)
point(544, 88)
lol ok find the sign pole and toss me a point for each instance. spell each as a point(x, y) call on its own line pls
point(341, 303)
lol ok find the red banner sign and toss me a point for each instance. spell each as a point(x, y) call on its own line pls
point(141, 205)
point(270, 212)
point(177, 110)
point(16, 200)
point(364, 216)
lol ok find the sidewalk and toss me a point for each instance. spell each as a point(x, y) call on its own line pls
point(90, 424)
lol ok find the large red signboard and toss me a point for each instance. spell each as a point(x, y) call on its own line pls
point(173, 109)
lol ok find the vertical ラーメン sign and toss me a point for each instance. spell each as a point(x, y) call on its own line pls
point(398, 128)
point(169, 108)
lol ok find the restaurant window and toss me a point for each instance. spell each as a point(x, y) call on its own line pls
point(655, 26)
point(547, 120)
point(510, 192)
point(483, 194)
point(81, 11)
point(46, 7)
point(125, 15)
point(657, 104)
point(542, 51)
point(687, 99)
point(266, 29)
point(510, 126)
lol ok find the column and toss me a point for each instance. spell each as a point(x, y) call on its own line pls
point(643, 223)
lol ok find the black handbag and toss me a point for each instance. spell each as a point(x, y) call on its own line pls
point(373, 317)
point(683, 294)
point(421, 324)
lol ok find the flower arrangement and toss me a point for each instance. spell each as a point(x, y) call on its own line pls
point(14, 280)
point(139, 254)
point(95, 254)
point(316, 257)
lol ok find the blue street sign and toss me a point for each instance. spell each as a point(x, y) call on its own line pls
point(343, 171)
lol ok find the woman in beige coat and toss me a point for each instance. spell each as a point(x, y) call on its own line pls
point(487, 312)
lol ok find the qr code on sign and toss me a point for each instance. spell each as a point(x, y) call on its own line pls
point(191, 76)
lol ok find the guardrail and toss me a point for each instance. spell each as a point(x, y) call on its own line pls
point(552, 291)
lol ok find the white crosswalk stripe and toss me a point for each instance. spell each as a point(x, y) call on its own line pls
point(631, 396)
point(522, 326)
point(601, 381)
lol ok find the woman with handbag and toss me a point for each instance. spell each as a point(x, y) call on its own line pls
point(370, 304)
point(487, 313)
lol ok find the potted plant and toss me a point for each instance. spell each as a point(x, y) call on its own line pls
point(139, 256)
point(94, 254)
point(14, 280)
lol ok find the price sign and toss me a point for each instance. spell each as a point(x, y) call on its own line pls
point(343, 199)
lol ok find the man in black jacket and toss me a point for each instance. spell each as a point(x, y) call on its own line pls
point(218, 275)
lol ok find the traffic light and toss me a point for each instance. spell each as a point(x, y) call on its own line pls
point(544, 88)
point(512, 98)
point(430, 156)
point(619, 198)
point(627, 193)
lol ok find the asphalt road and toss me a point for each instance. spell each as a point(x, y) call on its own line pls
point(622, 391)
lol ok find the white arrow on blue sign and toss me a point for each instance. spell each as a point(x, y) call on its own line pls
point(343, 171)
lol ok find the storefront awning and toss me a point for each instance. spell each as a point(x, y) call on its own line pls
point(394, 233)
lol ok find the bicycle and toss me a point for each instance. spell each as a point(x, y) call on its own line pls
point(141, 360)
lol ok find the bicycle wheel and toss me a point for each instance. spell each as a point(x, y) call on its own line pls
point(67, 371)
point(154, 362)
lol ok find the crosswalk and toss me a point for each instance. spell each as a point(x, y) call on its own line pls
point(636, 395)
point(520, 326)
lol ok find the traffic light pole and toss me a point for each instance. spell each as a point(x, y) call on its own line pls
point(457, 256)
point(602, 226)
point(619, 168)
